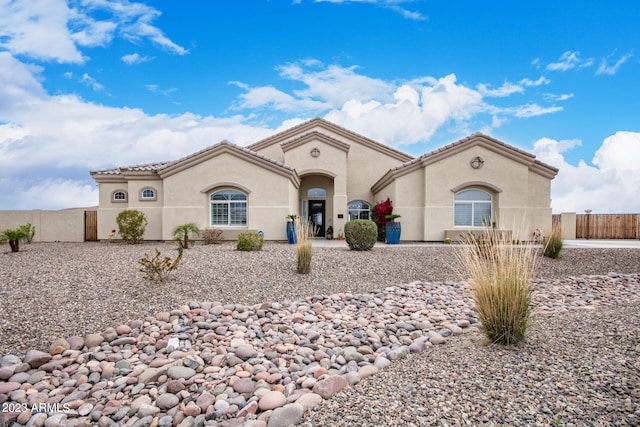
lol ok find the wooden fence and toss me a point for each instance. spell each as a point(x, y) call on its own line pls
point(605, 226)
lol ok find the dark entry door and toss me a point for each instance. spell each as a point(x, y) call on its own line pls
point(316, 215)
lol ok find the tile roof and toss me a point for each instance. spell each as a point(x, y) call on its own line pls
point(158, 166)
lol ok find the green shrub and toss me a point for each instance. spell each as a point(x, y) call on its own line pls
point(361, 234)
point(181, 233)
point(131, 225)
point(500, 273)
point(249, 242)
point(14, 237)
point(158, 269)
point(211, 236)
point(29, 232)
point(553, 244)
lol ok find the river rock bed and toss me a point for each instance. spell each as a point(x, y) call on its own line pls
point(264, 364)
point(210, 363)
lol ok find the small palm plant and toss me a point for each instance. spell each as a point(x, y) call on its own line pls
point(13, 237)
point(181, 233)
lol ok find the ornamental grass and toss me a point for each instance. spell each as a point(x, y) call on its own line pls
point(501, 275)
point(304, 250)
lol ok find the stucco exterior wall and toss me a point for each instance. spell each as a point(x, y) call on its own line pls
point(349, 167)
point(187, 193)
point(520, 197)
point(51, 226)
point(407, 196)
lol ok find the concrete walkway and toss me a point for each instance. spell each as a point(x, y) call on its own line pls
point(582, 243)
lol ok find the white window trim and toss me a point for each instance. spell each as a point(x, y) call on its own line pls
point(472, 203)
point(148, 199)
point(370, 210)
point(228, 202)
point(113, 196)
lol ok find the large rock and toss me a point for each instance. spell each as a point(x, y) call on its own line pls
point(93, 340)
point(177, 372)
point(36, 358)
point(330, 386)
point(272, 400)
point(59, 346)
point(290, 414)
point(167, 401)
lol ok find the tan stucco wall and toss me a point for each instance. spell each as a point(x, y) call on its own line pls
point(51, 226)
point(186, 197)
point(347, 167)
point(521, 205)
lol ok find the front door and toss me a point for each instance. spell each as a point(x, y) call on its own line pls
point(316, 216)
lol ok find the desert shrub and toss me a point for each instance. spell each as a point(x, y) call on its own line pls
point(29, 232)
point(249, 241)
point(131, 225)
point(14, 237)
point(181, 233)
point(211, 236)
point(500, 273)
point(361, 234)
point(553, 244)
point(157, 269)
point(304, 250)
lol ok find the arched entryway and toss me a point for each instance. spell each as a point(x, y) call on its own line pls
point(316, 201)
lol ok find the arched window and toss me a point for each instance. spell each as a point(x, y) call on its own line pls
point(472, 208)
point(228, 208)
point(119, 196)
point(359, 210)
point(148, 194)
point(317, 192)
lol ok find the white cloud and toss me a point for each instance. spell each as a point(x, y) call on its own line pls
point(530, 110)
point(539, 82)
point(45, 138)
point(605, 68)
point(38, 29)
point(334, 84)
point(393, 5)
point(604, 188)
point(91, 82)
point(53, 141)
point(620, 151)
point(134, 58)
point(568, 60)
point(50, 30)
point(417, 111)
point(52, 193)
point(506, 89)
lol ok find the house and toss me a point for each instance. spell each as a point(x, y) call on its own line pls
point(331, 175)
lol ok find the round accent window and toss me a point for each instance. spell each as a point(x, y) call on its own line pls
point(315, 152)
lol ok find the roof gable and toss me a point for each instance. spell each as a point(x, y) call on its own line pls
point(476, 139)
point(333, 131)
point(166, 169)
point(235, 150)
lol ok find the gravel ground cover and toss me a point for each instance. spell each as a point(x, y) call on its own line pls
point(50, 290)
point(578, 367)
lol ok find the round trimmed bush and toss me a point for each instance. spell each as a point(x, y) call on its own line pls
point(361, 234)
point(249, 241)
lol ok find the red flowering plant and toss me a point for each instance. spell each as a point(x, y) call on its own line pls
point(381, 211)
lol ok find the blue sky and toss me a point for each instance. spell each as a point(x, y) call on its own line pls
point(92, 84)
